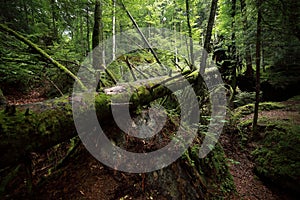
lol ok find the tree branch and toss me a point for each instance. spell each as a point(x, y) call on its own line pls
point(4, 28)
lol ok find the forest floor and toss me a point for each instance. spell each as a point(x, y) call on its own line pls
point(87, 178)
point(241, 166)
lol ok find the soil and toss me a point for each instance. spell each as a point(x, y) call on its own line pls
point(83, 177)
point(241, 166)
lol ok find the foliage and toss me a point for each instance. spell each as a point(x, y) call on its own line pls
point(279, 42)
point(279, 83)
point(63, 28)
point(244, 98)
point(17, 69)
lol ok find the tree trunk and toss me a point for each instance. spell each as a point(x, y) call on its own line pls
point(88, 47)
point(114, 30)
point(55, 32)
point(2, 98)
point(142, 35)
point(258, 58)
point(233, 52)
point(210, 24)
point(97, 37)
point(26, 14)
point(82, 42)
point(191, 45)
point(248, 58)
point(98, 50)
point(37, 127)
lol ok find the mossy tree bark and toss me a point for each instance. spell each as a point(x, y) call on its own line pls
point(39, 126)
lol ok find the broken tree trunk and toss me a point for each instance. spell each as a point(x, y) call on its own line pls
point(39, 126)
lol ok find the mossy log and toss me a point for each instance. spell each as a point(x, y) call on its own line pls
point(39, 126)
point(4, 28)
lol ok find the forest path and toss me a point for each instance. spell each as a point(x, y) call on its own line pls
point(248, 185)
point(33, 96)
point(241, 165)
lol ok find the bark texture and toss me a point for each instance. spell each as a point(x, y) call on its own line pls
point(210, 24)
point(39, 126)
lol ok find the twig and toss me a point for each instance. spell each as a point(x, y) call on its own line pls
point(142, 35)
point(130, 68)
point(60, 92)
point(133, 67)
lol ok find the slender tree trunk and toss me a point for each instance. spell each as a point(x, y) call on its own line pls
point(142, 35)
point(26, 14)
point(293, 18)
point(233, 50)
point(263, 57)
point(97, 36)
point(82, 42)
point(258, 59)
point(55, 32)
point(114, 30)
point(210, 24)
point(88, 30)
point(248, 58)
point(191, 45)
point(2, 98)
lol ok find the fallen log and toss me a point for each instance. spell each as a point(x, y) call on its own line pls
point(39, 126)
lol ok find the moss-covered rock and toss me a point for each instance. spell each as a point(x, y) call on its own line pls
point(277, 150)
point(278, 156)
point(242, 111)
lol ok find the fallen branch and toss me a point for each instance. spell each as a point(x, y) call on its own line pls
point(4, 28)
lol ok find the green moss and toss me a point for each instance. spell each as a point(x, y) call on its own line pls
point(244, 98)
point(265, 106)
point(242, 111)
point(295, 98)
point(278, 157)
point(215, 171)
point(38, 129)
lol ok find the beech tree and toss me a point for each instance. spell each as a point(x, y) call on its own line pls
point(258, 58)
point(207, 42)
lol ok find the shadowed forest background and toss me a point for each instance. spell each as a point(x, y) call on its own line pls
point(254, 44)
